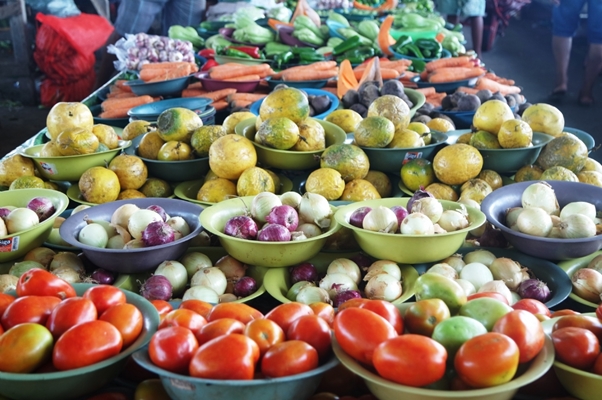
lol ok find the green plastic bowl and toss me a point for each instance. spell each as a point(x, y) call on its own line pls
point(277, 280)
point(385, 389)
point(254, 252)
point(182, 387)
point(408, 249)
point(285, 159)
point(18, 244)
point(390, 160)
point(64, 385)
point(573, 265)
point(414, 34)
point(70, 168)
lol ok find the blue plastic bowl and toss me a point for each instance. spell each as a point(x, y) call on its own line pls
point(334, 102)
point(171, 87)
point(333, 29)
point(151, 111)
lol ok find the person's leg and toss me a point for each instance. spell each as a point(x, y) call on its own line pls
point(561, 47)
point(182, 12)
point(593, 65)
point(476, 31)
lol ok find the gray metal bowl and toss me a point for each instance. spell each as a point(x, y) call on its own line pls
point(494, 207)
point(133, 260)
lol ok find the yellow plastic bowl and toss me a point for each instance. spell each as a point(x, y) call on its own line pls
point(277, 280)
point(285, 159)
point(70, 168)
point(254, 252)
point(408, 249)
point(385, 389)
point(18, 244)
point(572, 266)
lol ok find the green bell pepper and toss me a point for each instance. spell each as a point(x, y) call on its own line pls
point(310, 57)
point(430, 48)
point(282, 59)
point(358, 55)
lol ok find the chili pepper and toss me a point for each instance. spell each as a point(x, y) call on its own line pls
point(210, 63)
point(283, 58)
point(207, 53)
point(349, 44)
point(402, 41)
point(357, 56)
point(236, 53)
point(252, 51)
point(430, 48)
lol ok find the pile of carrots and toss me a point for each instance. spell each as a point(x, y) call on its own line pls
point(389, 69)
point(316, 71)
point(451, 69)
point(163, 71)
point(234, 72)
point(224, 98)
point(120, 100)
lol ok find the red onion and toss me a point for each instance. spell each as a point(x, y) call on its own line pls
point(419, 194)
point(357, 216)
point(157, 233)
point(245, 286)
point(4, 211)
point(103, 277)
point(534, 289)
point(157, 287)
point(274, 233)
point(362, 261)
point(492, 237)
point(242, 227)
point(284, 215)
point(304, 272)
point(400, 212)
point(345, 295)
point(42, 206)
point(159, 210)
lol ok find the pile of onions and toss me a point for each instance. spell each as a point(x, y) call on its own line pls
point(20, 219)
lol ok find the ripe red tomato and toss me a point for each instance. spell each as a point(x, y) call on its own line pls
point(198, 306)
point(592, 324)
point(183, 317)
point(231, 356)
point(410, 359)
point(219, 327)
point(289, 358)
point(533, 306)
point(563, 312)
point(104, 296)
point(474, 360)
point(85, 344)
point(284, 314)
point(524, 328)
point(68, 313)
point(352, 303)
point(25, 347)
point(265, 333)
point(576, 347)
point(493, 295)
point(597, 368)
point(162, 306)
point(422, 316)
point(28, 309)
point(172, 348)
point(127, 319)
point(5, 300)
point(358, 331)
point(386, 310)
point(40, 282)
point(240, 311)
point(314, 331)
point(323, 310)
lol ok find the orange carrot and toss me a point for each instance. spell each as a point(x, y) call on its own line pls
point(309, 75)
point(115, 113)
point(446, 62)
point(194, 93)
point(384, 39)
point(163, 75)
point(246, 96)
point(120, 95)
point(121, 84)
point(220, 105)
point(467, 90)
point(240, 103)
point(195, 85)
point(452, 74)
point(317, 66)
point(435, 100)
point(233, 72)
point(170, 65)
point(218, 95)
point(129, 102)
point(243, 78)
point(499, 79)
point(427, 91)
point(486, 83)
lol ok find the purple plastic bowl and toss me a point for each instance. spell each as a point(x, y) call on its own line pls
point(286, 35)
point(494, 207)
point(213, 84)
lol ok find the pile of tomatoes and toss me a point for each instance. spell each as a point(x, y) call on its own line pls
point(46, 327)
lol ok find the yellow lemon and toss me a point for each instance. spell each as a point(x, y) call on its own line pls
point(457, 163)
point(327, 182)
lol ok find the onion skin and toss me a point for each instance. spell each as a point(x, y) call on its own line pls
point(587, 284)
point(157, 287)
point(242, 227)
point(42, 206)
point(535, 289)
point(304, 272)
point(357, 216)
point(284, 215)
point(245, 286)
point(345, 295)
point(157, 233)
point(419, 194)
point(103, 277)
point(274, 233)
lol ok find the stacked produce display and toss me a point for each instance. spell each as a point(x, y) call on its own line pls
point(302, 204)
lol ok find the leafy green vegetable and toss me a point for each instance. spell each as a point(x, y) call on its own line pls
point(453, 45)
point(186, 33)
point(217, 43)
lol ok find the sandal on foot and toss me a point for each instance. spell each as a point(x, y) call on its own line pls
point(585, 101)
point(557, 95)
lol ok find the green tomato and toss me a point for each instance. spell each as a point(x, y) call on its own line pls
point(435, 286)
point(25, 347)
point(486, 310)
point(454, 331)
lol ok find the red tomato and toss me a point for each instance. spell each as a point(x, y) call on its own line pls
point(598, 311)
point(422, 316)
point(533, 306)
point(40, 282)
point(183, 317)
point(5, 300)
point(28, 309)
point(597, 368)
point(68, 313)
point(219, 327)
point(576, 347)
point(474, 360)
point(563, 312)
point(352, 303)
point(151, 389)
point(25, 347)
point(85, 344)
point(265, 333)
point(323, 310)
point(358, 331)
point(1, 330)
point(285, 314)
point(592, 324)
point(493, 295)
point(396, 359)
point(198, 306)
point(239, 311)
point(231, 356)
point(127, 319)
point(162, 306)
point(314, 331)
point(386, 310)
point(289, 358)
point(104, 296)
point(524, 328)
point(172, 348)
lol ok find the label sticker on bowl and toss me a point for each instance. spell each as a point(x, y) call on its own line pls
point(49, 168)
point(410, 156)
point(10, 244)
point(180, 384)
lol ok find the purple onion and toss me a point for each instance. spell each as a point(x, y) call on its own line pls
point(242, 227)
point(42, 206)
point(284, 215)
point(4, 212)
point(274, 233)
point(534, 289)
point(157, 287)
point(419, 194)
point(304, 272)
point(400, 212)
point(345, 295)
point(357, 216)
point(159, 210)
point(362, 261)
point(245, 286)
point(157, 233)
point(103, 277)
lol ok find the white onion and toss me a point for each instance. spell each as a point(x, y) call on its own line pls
point(119, 240)
point(309, 230)
point(3, 230)
point(202, 293)
point(291, 198)
point(68, 274)
point(540, 195)
point(231, 267)
point(79, 208)
point(176, 273)
point(94, 235)
point(227, 298)
point(383, 287)
point(43, 255)
point(211, 277)
point(576, 226)
point(262, 204)
point(515, 297)
point(345, 266)
point(456, 261)
point(179, 224)
point(134, 244)
point(21, 219)
point(8, 283)
point(579, 207)
point(381, 219)
point(468, 202)
point(429, 206)
point(587, 284)
point(417, 224)
point(443, 269)
point(315, 208)
point(67, 259)
point(139, 220)
point(497, 286)
point(111, 230)
point(508, 271)
point(312, 294)
point(334, 283)
point(194, 261)
point(476, 273)
point(467, 286)
point(483, 256)
point(123, 213)
point(452, 220)
point(383, 267)
point(512, 215)
point(534, 221)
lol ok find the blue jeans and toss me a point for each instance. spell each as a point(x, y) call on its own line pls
point(565, 19)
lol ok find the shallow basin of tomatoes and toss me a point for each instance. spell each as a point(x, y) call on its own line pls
point(182, 387)
point(64, 385)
